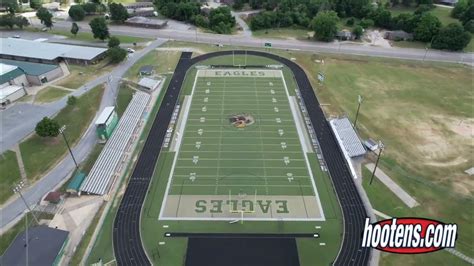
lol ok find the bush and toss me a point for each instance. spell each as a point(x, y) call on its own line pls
point(116, 55)
point(113, 42)
point(47, 127)
point(77, 13)
point(366, 23)
point(89, 8)
point(469, 26)
point(350, 22)
point(35, 4)
point(452, 37)
point(71, 100)
point(358, 31)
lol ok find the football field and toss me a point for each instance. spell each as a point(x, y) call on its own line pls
point(241, 151)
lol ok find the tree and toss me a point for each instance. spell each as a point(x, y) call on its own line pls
point(406, 22)
point(358, 31)
point(47, 127)
point(468, 14)
point(45, 17)
point(325, 25)
point(113, 42)
point(452, 37)
point(99, 28)
point(350, 22)
point(71, 100)
point(89, 8)
point(366, 23)
point(116, 54)
point(7, 20)
point(118, 12)
point(427, 28)
point(10, 5)
point(459, 9)
point(74, 29)
point(238, 4)
point(35, 4)
point(381, 17)
point(201, 21)
point(77, 13)
point(221, 20)
point(21, 21)
point(469, 26)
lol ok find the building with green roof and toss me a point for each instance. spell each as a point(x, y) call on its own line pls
point(36, 73)
point(75, 183)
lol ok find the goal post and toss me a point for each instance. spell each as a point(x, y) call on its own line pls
point(234, 205)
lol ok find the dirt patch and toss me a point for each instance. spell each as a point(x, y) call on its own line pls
point(462, 127)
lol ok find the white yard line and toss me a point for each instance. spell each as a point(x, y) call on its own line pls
point(163, 205)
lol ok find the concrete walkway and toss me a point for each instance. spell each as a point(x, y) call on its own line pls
point(21, 165)
point(394, 187)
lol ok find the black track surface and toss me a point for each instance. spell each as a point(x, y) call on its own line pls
point(242, 252)
point(126, 235)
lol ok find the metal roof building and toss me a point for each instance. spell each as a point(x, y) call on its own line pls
point(346, 135)
point(102, 173)
point(43, 52)
point(45, 246)
point(9, 72)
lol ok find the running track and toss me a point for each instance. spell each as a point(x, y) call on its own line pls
point(128, 247)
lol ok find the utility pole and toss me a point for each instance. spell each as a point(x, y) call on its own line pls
point(17, 189)
point(27, 240)
point(360, 100)
point(61, 130)
point(381, 147)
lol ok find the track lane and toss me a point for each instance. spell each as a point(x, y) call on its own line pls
point(126, 235)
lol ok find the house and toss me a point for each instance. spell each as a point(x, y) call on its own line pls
point(345, 35)
point(398, 35)
point(146, 22)
point(12, 84)
point(447, 2)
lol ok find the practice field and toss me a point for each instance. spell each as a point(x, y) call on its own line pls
point(241, 151)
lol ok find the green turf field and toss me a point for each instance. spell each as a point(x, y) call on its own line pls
point(243, 150)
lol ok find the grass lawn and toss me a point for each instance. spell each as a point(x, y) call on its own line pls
point(87, 36)
point(9, 236)
point(283, 33)
point(80, 75)
point(40, 154)
point(443, 13)
point(470, 46)
point(125, 94)
point(162, 61)
point(50, 94)
point(9, 174)
point(409, 44)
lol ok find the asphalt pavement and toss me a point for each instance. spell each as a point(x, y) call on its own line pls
point(33, 194)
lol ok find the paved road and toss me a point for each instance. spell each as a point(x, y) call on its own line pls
point(34, 193)
point(311, 46)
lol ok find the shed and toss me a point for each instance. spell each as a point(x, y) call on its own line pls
point(45, 247)
point(53, 197)
point(106, 122)
point(149, 84)
point(146, 70)
point(345, 35)
point(75, 183)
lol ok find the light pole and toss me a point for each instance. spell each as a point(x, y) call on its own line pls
point(381, 147)
point(17, 189)
point(359, 100)
point(61, 130)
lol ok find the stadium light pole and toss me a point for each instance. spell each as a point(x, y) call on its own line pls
point(381, 147)
point(359, 100)
point(61, 130)
point(17, 189)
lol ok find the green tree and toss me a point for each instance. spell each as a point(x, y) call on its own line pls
point(99, 28)
point(427, 28)
point(459, 9)
point(468, 14)
point(10, 5)
point(74, 29)
point(201, 21)
point(71, 100)
point(358, 31)
point(77, 12)
point(469, 26)
point(45, 17)
point(7, 20)
point(47, 127)
point(221, 20)
point(452, 37)
point(325, 25)
point(113, 42)
point(89, 8)
point(118, 12)
point(21, 21)
point(35, 4)
point(116, 54)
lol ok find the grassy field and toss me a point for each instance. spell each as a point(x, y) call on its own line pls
point(443, 13)
point(125, 94)
point(173, 251)
point(50, 94)
point(80, 75)
point(40, 154)
point(162, 61)
point(283, 33)
point(9, 174)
